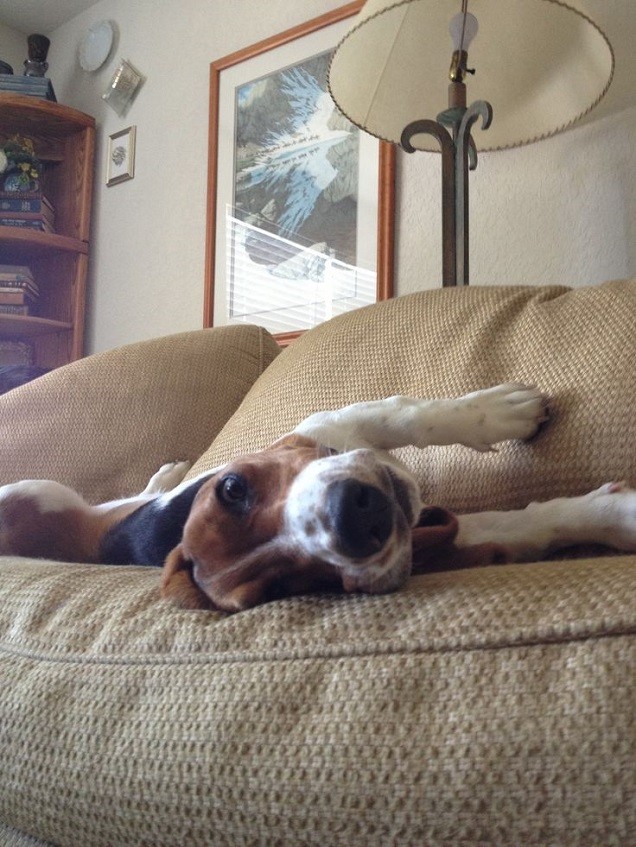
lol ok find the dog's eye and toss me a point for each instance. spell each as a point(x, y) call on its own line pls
point(232, 490)
point(324, 451)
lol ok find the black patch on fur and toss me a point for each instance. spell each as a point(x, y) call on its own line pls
point(147, 535)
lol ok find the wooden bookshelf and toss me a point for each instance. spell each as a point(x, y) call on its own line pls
point(64, 140)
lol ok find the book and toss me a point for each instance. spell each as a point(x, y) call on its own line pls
point(20, 277)
point(16, 280)
point(24, 204)
point(14, 310)
point(21, 223)
point(11, 293)
point(31, 85)
point(29, 217)
point(8, 286)
point(26, 201)
point(47, 217)
point(20, 270)
point(15, 297)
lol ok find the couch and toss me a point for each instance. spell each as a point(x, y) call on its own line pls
point(489, 706)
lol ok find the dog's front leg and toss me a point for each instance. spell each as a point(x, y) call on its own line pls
point(477, 420)
point(166, 478)
point(605, 516)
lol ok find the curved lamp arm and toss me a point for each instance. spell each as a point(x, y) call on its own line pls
point(447, 147)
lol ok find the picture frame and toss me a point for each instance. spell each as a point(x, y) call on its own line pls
point(123, 87)
point(120, 156)
point(258, 267)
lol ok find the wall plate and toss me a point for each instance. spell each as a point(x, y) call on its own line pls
point(96, 45)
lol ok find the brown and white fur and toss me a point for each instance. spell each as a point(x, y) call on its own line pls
point(326, 506)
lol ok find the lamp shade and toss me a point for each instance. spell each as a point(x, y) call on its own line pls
point(541, 64)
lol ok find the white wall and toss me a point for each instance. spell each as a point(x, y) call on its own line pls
point(562, 211)
point(13, 47)
point(559, 212)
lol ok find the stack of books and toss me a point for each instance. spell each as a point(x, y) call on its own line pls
point(18, 290)
point(33, 86)
point(28, 209)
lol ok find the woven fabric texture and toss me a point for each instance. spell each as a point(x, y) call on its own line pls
point(106, 423)
point(10, 837)
point(485, 706)
point(578, 345)
point(490, 706)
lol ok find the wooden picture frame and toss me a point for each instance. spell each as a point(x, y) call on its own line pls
point(120, 156)
point(233, 81)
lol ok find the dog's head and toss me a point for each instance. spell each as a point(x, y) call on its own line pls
point(291, 519)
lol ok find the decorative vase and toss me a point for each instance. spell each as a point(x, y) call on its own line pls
point(36, 64)
point(15, 182)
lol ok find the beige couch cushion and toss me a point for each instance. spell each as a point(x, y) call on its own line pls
point(578, 345)
point(491, 706)
point(106, 423)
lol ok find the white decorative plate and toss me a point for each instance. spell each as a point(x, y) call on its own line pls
point(95, 45)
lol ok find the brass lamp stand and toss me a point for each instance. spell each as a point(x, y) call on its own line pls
point(542, 63)
point(459, 155)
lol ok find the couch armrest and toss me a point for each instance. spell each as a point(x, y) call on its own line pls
point(106, 423)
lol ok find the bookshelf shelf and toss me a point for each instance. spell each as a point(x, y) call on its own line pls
point(39, 242)
point(17, 326)
point(64, 140)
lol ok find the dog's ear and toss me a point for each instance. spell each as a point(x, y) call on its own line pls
point(434, 549)
point(432, 540)
point(293, 440)
point(177, 584)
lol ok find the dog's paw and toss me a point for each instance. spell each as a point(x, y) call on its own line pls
point(614, 510)
point(167, 477)
point(512, 410)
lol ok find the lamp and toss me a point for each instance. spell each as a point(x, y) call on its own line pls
point(541, 63)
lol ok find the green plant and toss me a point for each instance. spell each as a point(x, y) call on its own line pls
point(17, 155)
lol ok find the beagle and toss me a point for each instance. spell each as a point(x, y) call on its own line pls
point(325, 507)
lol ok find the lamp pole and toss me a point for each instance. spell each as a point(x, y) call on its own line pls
point(459, 155)
point(386, 67)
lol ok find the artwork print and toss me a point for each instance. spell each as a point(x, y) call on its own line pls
point(292, 230)
point(120, 165)
point(301, 204)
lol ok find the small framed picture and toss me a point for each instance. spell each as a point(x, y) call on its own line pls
point(123, 87)
point(120, 164)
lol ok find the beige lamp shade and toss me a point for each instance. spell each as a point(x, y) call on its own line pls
point(541, 64)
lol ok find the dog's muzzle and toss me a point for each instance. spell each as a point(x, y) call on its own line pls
point(355, 512)
point(361, 516)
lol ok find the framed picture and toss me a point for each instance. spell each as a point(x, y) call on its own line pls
point(123, 87)
point(300, 209)
point(120, 160)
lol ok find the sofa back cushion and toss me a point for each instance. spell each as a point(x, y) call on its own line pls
point(106, 423)
point(578, 345)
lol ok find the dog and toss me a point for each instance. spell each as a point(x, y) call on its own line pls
point(326, 507)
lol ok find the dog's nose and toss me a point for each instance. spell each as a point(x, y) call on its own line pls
point(362, 517)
